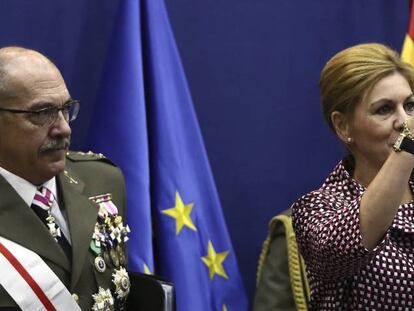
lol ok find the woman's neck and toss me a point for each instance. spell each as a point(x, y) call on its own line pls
point(364, 173)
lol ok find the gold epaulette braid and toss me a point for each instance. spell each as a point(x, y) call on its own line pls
point(297, 269)
point(263, 253)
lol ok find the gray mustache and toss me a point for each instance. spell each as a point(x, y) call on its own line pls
point(56, 144)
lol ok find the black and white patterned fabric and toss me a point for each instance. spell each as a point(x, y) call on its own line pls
point(343, 274)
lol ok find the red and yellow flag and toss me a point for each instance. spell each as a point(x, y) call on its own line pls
point(407, 53)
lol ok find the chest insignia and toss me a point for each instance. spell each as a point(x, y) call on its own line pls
point(122, 284)
point(110, 234)
point(103, 300)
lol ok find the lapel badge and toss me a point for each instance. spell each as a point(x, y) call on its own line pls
point(103, 300)
point(71, 180)
point(122, 284)
point(100, 264)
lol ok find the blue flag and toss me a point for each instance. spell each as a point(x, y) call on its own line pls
point(119, 129)
point(145, 122)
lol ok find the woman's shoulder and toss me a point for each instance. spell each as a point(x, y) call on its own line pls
point(317, 199)
point(338, 188)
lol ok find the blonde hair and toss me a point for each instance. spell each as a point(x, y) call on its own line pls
point(353, 72)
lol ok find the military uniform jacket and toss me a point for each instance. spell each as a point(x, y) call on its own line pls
point(85, 176)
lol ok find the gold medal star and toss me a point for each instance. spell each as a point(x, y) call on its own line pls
point(181, 213)
point(214, 261)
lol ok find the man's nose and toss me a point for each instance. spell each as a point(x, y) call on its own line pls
point(61, 126)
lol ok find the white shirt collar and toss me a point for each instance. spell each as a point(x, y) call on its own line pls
point(25, 189)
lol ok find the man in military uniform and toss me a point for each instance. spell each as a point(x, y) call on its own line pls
point(62, 234)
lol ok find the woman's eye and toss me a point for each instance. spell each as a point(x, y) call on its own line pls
point(409, 106)
point(383, 110)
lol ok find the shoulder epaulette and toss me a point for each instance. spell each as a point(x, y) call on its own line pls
point(297, 270)
point(77, 156)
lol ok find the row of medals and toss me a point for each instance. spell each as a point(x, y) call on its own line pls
point(108, 241)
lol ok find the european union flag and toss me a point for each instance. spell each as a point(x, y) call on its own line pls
point(119, 128)
point(146, 123)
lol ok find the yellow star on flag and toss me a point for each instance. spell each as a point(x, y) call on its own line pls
point(147, 269)
point(214, 261)
point(181, 213)
point(224, 308)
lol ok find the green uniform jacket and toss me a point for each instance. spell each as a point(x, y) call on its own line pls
point(86, 175)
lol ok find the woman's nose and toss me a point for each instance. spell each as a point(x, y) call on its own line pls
point(401, 117)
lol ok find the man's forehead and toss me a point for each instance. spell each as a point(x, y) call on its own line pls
point(29, 76)
point(29, 67)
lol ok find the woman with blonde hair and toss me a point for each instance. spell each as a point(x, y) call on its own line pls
point(356, 232)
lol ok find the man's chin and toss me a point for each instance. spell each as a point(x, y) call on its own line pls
point(45, 172)
point(55, 161)
point(53, 156)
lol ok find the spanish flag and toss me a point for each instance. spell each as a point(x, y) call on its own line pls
point(407, 53)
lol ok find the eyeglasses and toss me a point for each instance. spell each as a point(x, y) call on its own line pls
point(47, 116)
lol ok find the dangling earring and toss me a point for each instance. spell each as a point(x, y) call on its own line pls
point(349, 140)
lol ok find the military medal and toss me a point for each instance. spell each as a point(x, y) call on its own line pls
point(114, 257)
point(121, 254)
point(109, 235)
point(105, 203)
point(100, 264)
point(122, 283)
point(53, 228)
point(95, 249)
point(107, 258)
point(103, 300)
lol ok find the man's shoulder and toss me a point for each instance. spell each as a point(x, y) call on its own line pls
point(90, 165)
point(80, 156)
point(93, 170)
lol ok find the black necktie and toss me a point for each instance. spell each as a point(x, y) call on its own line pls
point(41, 205)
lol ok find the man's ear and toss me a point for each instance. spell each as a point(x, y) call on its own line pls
point(341, 126)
